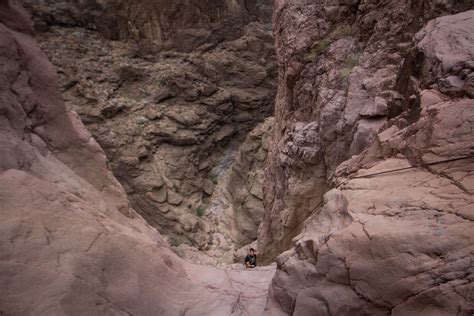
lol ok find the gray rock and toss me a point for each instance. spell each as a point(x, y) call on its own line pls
point(174, 198)
point(208, 187)
point(159, 196)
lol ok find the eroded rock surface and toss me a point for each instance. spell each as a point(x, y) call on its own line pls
point(244, 184)
point(398, 242)
point(180, 24)
point(167, 120)
point(69, 241)
point(235, 208)
point(339, 82)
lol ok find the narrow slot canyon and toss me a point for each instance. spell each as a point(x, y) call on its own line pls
point(147, 145)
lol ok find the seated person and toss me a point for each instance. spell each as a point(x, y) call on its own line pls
point(251, 259)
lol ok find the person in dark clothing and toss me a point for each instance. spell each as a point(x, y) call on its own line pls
point(251, 259)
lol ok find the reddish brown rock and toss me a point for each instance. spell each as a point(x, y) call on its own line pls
point(339, 82)
point(394, 235)
point(69, 242)
point(167, 120)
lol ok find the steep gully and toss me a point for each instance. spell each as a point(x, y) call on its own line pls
point(70, 242)
point(45, 163)
point(149, 110)
point(173, 122)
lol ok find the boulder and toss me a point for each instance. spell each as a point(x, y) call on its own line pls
point(174, 198)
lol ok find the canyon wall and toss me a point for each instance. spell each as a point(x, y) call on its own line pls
point(339, 82)
point(235, 207)
point(370, 182)
point(179, 24)
point(170, 122)
point(70, 244)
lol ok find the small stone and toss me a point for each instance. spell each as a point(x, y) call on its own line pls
point(141, 120)
point(148, 180)
point(204, 166)
point(451, 82)
point(174, 198)
point(142, 152)
point(164, 209)
point(129, 161)
point(261, 155)
point(162, 94)
point(157, 196)
point(153, 115)
point(257, 190)
point(190, 224)
point(112, 110)
point(208, 187)
point(376, 109)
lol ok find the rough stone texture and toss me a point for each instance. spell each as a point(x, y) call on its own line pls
point(244, 184)
point(69, 242)
point(168, 121)
point(178, 24)
point(238, 197)
point(339, 82)
point(234, 211)
point(397, 243)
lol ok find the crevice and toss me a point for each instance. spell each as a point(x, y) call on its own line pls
point(94, 241)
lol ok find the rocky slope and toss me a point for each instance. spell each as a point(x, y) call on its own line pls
point(69, 241)
point(339, 83)
point(170, 121)
point(366, 110)
point(369, 182)
point(180, 24)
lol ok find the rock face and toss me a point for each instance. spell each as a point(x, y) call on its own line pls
point(244, 184)
point(394, 234)
point(236, 206)
point(370, 166)
point(167, 120)
point(235, 209)
point(339, 82)
point(180, 24)
point(69, 242)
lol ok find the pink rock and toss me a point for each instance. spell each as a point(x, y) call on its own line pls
point(396, 243)
point(69, 241)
